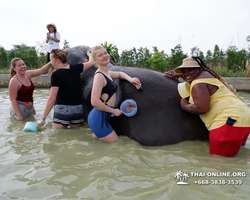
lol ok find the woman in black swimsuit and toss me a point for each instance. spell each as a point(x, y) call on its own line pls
point(103, 96)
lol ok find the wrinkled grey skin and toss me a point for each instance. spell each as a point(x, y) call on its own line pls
point(159, 120)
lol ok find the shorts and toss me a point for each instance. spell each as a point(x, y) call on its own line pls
point(26, 108)
point(99, 123)
point(68, 114)
point(227, 140)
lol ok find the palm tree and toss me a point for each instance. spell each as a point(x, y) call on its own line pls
point(113, 52)
point(178, 175)
point(181, 176)
point(185, 176)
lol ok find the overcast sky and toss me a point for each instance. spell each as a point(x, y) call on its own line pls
point(128, 24)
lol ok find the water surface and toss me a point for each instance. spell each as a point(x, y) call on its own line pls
point(69, 164)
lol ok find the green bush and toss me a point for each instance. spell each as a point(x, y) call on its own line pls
point(224, 72)
point(229, 63)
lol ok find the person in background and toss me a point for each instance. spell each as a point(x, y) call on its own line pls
point(218, 105)
point(65, 92)
point(103, 96)
point(21, 88)
point(53, 40)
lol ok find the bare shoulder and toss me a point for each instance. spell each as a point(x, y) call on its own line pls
point(13, 82)
point(99, 77)
point(205, 74)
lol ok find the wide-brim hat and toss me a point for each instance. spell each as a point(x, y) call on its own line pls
point(187, 63)
point(51, 24)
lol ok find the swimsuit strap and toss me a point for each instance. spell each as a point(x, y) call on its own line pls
point(109, 97)
point(101, 73)
point(20, 81)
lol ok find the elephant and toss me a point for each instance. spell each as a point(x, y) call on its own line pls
point(159, 120)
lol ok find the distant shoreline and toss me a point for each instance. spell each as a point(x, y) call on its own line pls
point(43, 81)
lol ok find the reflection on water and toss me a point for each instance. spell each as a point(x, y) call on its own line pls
point(69, 164)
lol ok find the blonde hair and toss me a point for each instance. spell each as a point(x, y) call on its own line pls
point(12, 66)
point(93, 51)
point(60, 54)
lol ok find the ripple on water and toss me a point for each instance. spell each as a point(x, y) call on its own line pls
point(69, 164)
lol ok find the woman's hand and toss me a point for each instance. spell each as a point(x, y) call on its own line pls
point(19, 118)
point(117, 112)
point(171, 74)
point(185, 105)
point(89, 53)
point(135, 81)
point(40, 123)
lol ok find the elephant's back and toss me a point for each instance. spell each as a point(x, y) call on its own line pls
point(159, 120)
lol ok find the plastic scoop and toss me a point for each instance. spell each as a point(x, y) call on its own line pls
point(129, 107)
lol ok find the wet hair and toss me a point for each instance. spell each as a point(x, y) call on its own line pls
point(12, 66)
point(60, 54)
point(93, 51)
point(204, 67)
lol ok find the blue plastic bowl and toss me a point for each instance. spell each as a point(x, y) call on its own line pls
point(129, 107)
point(30, 126)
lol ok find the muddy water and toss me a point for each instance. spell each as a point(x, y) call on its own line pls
point(69, 164)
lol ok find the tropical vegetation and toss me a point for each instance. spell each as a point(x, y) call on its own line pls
point(231, 62)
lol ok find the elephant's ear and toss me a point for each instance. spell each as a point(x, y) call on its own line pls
point(184, 90)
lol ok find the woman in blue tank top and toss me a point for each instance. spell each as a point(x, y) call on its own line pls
point(103, 96)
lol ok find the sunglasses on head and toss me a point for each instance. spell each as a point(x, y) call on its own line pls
point(55, 53)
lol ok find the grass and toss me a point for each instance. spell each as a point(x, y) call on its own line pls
point(4, 71)
point(228, 73)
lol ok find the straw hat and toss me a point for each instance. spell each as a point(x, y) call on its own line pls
point(51, 24)
point(187, 63)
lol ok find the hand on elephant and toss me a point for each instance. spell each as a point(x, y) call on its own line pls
point(89, 55)
point(184, 104)
point(89, 52)
point(171, 74)
point(117, 112)
point(136, 82)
